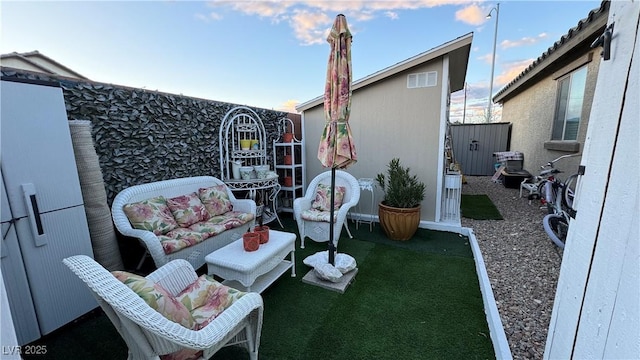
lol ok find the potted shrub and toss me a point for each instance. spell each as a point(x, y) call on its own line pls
point(399, 211)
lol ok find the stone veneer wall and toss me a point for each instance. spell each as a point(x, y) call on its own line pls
point(143, 136)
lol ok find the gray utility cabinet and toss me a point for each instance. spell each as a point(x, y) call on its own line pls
point(474, 145)
point(43, 217)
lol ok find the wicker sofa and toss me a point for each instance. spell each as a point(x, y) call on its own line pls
point(194, 241)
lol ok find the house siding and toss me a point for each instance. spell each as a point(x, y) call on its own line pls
point(529, 101)
point(388, 120)
point(532, 113)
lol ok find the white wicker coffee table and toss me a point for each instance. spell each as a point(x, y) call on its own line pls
point(254, 271)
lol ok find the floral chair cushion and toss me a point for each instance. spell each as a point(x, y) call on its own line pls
point(152, 215)
point(322, 201)
point(194, 308)
point(158, 298)
point(206, 299)
point(184, 354)
point(188, 209)
point(317, 215)
point(215, 199)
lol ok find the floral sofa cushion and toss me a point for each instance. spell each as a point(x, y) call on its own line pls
point(158, 298)
point(316, 215)
point(152, 215)
point(232, 219)
point(188, 209)
point(215, 199)
point(207, 228)
point(322, 200)
point(181, 238)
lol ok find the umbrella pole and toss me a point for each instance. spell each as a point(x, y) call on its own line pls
point(332, 248)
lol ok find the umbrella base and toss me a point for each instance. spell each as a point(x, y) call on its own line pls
point(340, 286)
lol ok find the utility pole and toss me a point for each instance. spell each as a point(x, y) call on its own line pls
point(493, 60)
point(464, 108)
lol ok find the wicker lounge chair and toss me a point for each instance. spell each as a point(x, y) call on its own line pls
point(319, 230)
point(149, 334)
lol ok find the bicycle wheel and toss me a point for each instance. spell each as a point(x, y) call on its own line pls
point(557, 228)
point(569, 191)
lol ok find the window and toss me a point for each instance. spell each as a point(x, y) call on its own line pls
point(569, 106)
point(423, 79)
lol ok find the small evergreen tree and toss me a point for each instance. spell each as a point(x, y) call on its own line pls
point(401, 189)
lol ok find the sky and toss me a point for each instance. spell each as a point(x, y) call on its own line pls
point(273, 54)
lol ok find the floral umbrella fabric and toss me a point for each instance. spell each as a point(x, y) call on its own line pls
point(337, 149)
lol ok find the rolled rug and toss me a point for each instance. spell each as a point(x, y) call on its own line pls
point(94, 194)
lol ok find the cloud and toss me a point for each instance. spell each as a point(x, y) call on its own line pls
point(506, 73)
point(207, 18)
point(392, 15)
point(310, 19)
point(310, 28)
point(487, 58)
point(505, 44)
point(215, 16)
point(511, 70)
point(289, 106)
point(276, 10)
point(477, 100)
point(473, 14)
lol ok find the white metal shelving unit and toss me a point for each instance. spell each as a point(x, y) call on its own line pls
point(288, 160)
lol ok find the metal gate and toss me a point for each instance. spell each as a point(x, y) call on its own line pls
point(474, 145)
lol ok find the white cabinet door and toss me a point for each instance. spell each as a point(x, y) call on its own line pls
point(15, 278)
point(37, 148)
point(59, 296)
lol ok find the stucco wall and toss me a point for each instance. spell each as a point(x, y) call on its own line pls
point(388, 120)
point(532, 112)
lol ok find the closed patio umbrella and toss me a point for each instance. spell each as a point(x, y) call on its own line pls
point(337, 149)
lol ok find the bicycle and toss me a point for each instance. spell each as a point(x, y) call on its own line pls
point(558, 197)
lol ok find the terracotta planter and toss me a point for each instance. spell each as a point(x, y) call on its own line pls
point(251, 241)
point(264, 233)
point(288, 181)
point(399, 223)
point(288, 160)
point(287, 137)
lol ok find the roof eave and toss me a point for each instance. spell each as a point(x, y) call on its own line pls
point(26, 58)
point(446, 48)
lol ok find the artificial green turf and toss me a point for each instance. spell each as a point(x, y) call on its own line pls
point(405, 305)
point(417, 299)
point(479, 207)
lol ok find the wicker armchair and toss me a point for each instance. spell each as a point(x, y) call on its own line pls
point(148, 334)
point(319, 230)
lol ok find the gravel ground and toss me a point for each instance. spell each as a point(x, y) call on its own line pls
point(522, 262)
